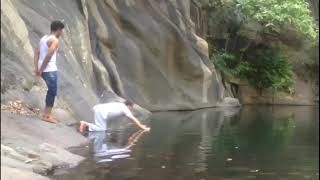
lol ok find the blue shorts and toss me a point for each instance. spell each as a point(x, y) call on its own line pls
point(51, 79)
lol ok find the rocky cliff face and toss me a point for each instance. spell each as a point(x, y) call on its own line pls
point(146, 51)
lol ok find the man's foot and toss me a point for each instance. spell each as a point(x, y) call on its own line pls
point(49, 119)
point(83, 126)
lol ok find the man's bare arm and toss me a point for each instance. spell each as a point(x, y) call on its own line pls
point(137, 122)
point(52, 48)
point(36, 59)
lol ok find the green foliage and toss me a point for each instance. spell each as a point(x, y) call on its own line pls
point(281, 12)
point(267, 68)
point(231, 66)
point(246, 31)
point(271, 70)
point(312, 63)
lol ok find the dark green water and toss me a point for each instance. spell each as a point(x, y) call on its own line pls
point(271, 143)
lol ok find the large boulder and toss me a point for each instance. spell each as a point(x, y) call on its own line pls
point(34, 145)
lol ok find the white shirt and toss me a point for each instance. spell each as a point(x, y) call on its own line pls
point(103, 112)
point(43, 47)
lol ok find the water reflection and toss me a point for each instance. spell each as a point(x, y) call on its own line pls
point(106, 147)
point(257, 143)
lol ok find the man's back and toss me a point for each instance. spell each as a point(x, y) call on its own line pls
point(112, 109)
point(103, 112)
point(43, 47)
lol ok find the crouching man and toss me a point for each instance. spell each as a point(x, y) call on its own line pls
point(104, 112)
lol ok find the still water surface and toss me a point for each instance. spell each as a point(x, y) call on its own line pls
point(274, 142)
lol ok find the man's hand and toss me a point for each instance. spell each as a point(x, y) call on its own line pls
point(145, 128)
point(37, 73)
point(138, 123)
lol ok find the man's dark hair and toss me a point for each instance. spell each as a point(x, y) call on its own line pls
point(56, 25)
point(128, 103)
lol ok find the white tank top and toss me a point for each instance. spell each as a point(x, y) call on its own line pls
point(43, 46)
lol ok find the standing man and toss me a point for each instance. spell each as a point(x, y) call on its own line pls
point(104, 112)
point(45, 65)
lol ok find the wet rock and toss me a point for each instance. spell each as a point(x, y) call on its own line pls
point(42, 167)
point(47, 148)
point(18, 174)
point(58, 156)
point(303, 95)
point(64, 116)
point(228, 101)
point(26, 150)
point(29, 132)
point(10, 162)
point(45, 159)
point(11, 153)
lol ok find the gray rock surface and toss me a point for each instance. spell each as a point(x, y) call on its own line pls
point(18, 174)
point(33, 145)
point(146, 51)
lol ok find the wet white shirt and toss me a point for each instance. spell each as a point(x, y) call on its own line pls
point(103, 112)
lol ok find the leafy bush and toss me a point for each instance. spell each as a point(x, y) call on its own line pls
point(266, 23)
point(281, 12)
point(267, 68)
point(230, 66)
point(271, 12)
point(312, 63)
point(271, 70)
